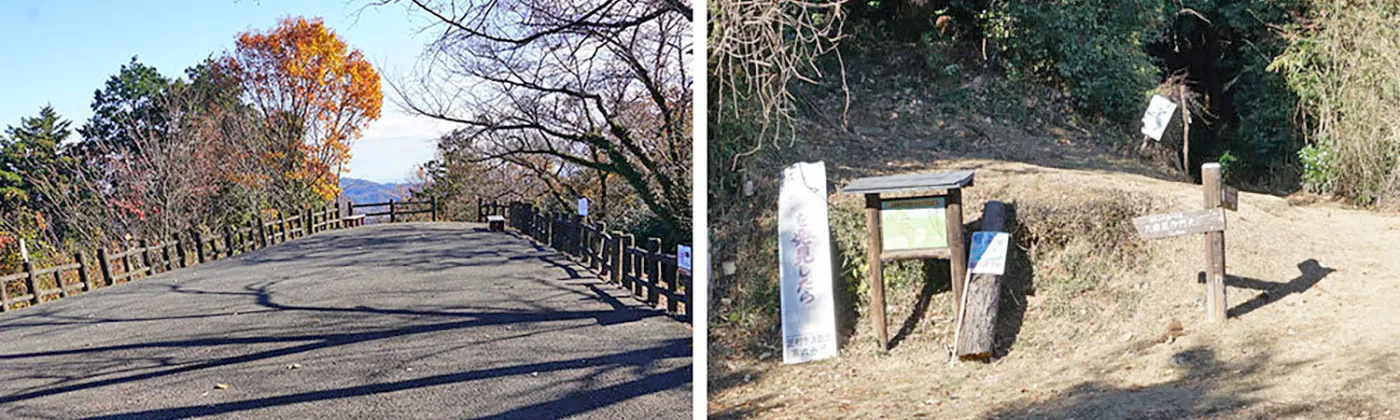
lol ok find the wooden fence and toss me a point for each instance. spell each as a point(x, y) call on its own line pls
point(642, 268)
point(397, 209)
point(181, 250)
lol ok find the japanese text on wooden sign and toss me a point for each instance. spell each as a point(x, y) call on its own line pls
point(1177, 224)
point(804, 255)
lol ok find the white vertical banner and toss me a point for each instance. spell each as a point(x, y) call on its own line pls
point(804, 253)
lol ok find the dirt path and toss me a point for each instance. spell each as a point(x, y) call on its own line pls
point(1322, 344)
point(411, 320)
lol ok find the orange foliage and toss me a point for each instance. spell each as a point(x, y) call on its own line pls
point(317, 93)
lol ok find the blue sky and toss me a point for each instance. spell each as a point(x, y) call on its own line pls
point(60, 52)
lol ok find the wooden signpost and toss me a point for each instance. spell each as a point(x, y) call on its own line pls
point(927, 224)
point(1211, 222)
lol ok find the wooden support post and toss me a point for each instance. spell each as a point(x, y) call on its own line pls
point(198, 246)
point(83, 271)
point(180, 250)
point(1215, 247)
point(976, 329)
point(146, 265)
point(307, 221)
point(617, 252)
point(628, 268)
point(957, 246)
point(391, 210)
point(32, 283)
point(653, 270)
point(165, 257)
point(432, 202)
point(262, 231)
point(228, 241)
point(577, 232)
point(877, 268)
point(285, 226)
point(126, 261)
point(106, 265)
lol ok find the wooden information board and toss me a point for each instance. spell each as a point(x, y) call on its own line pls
point(924, 223)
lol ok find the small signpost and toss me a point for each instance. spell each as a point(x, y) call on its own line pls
point(1211, 222)
point(926, 225)
point(683, 259)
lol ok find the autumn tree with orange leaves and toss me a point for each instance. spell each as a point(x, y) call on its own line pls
point(316, 96)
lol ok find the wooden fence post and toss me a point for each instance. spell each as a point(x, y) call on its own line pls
point(83, 271)
point(432, 201)
point(653, 269)
point(228, 241)
point(146, 258)
point(285, 226)
point(262, 231)
point(105, 264)
point(671, 274)
point(627, 271)
point(1215, 247)
point(306, 222)
point(180, 250)
point(32, 283)
point(619, 250)
point(480, 210)
point(165, 256)
point(126, 260)
point(199, 246)
point(391, 210)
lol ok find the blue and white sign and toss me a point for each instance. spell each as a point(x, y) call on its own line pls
point(988, 254)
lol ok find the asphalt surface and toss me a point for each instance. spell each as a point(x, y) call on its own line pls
point(411, 320)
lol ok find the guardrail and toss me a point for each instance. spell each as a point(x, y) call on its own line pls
point(649, 273)
point(397, 209)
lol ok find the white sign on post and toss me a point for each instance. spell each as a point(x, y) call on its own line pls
point(804, 255)
point(683, 259)
point(1159, 114)
point(583, 207)
point(988, 254)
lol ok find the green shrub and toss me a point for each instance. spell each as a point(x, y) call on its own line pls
point(1091, 48)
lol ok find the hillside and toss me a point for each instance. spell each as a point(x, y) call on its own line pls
point(1085, 328)
point(366, 191)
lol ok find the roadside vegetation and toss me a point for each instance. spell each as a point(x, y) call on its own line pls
point(266, 125)
point(1290, 96)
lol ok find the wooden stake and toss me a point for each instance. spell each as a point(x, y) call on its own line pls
point(1215, 248)
point(877, 268)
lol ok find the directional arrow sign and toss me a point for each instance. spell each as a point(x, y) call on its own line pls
point(1176, 224)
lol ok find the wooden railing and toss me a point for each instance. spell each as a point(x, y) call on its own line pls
point(397, 209)
point(182, 250)
point(644, 269)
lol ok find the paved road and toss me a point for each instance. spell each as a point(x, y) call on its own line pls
point(412, 320)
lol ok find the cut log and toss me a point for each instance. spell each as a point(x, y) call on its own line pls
point(977, 331)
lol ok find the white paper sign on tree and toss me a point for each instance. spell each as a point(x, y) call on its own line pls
point(1159, 114)
point(804, 254)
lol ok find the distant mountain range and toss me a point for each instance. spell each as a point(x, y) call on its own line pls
point(366, 191)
